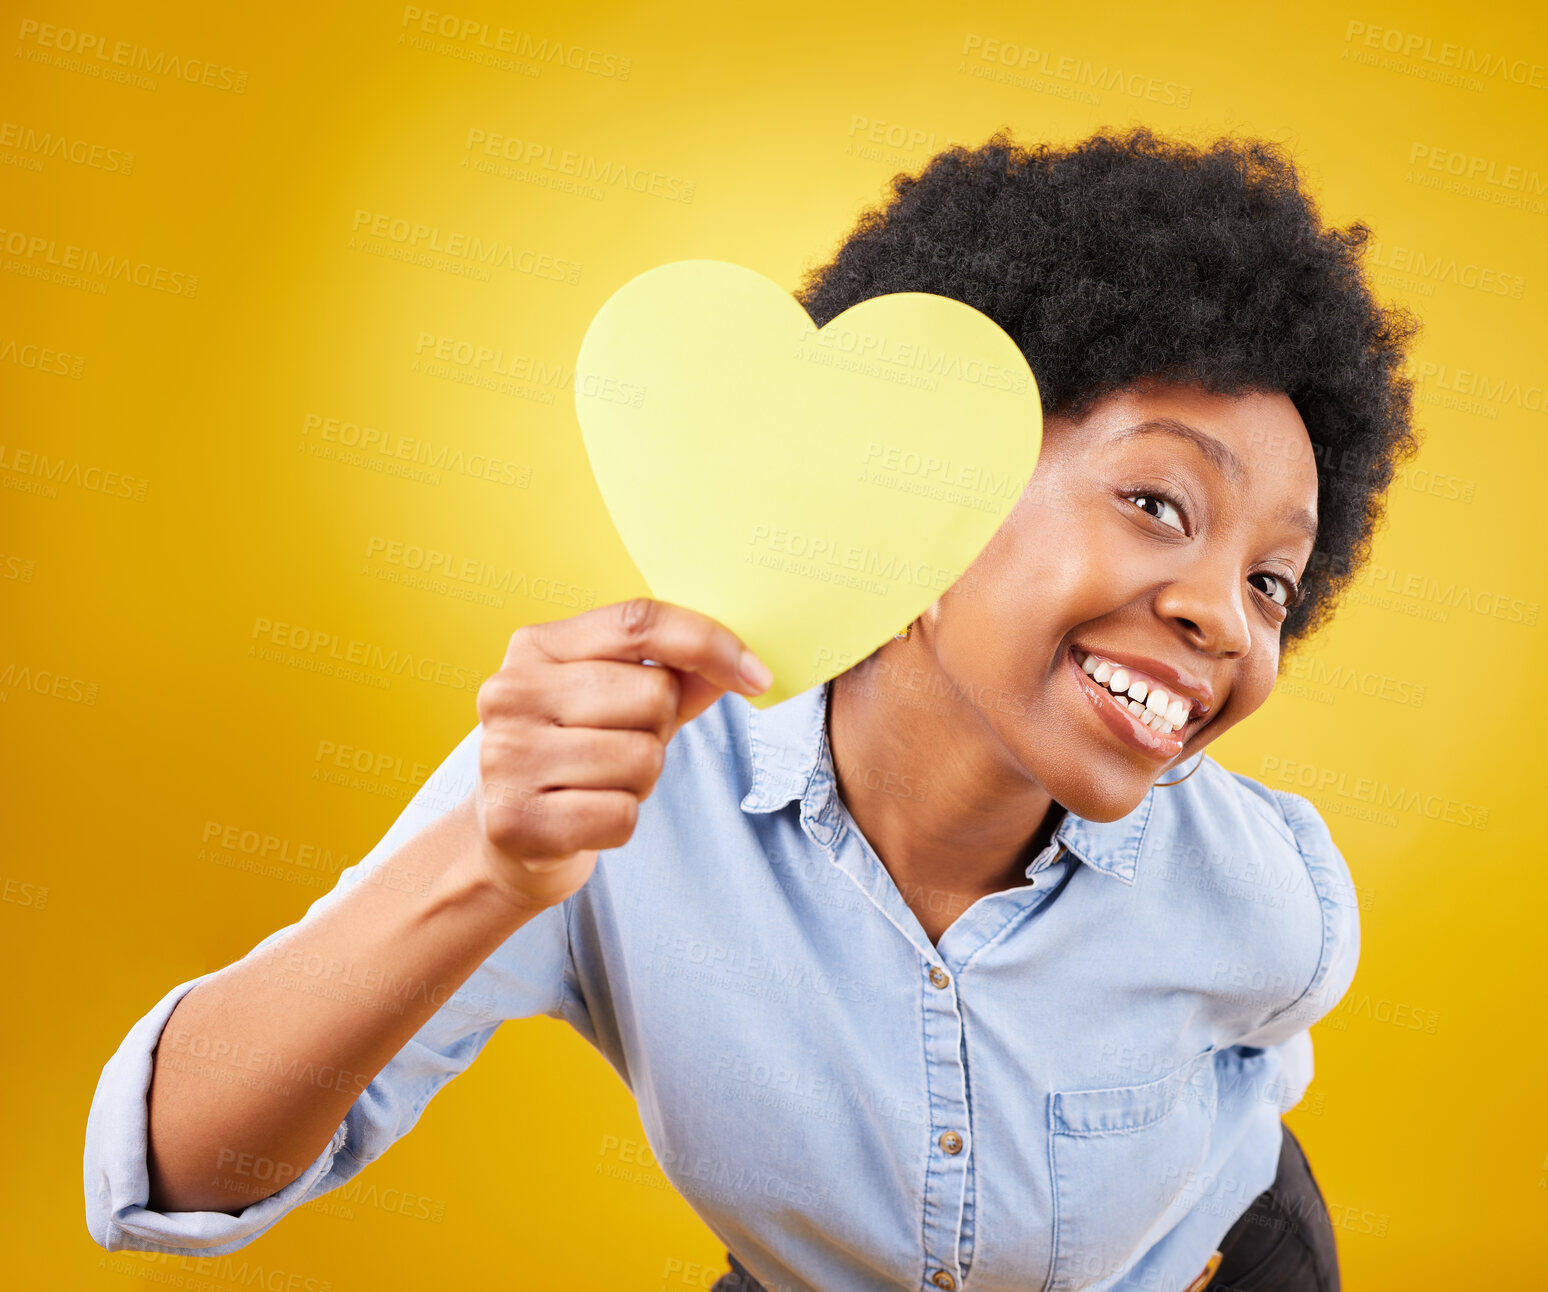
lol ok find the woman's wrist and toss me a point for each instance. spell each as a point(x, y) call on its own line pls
point(475, 881)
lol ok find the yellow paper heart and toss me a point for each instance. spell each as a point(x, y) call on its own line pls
point(813, 490)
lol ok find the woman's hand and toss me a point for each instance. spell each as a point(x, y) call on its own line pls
point(575, 733)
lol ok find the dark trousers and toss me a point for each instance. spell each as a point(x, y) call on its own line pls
point(1282, 1243)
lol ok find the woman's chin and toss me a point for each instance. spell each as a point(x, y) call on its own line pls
point(1102, 802)
point(1106, 808)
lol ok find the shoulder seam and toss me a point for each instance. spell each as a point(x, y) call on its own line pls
point(1322, 912)
point(1279, 822)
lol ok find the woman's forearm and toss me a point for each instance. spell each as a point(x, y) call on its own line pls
point(258, 1064)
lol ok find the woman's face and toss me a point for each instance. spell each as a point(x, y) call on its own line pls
point(1164, 533)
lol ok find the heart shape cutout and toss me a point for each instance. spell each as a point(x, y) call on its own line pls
point(812, 489)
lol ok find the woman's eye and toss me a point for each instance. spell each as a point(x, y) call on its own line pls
point(1279, 589)
point(1146, 501)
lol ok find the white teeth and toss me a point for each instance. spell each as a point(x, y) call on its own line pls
point(1161, 712)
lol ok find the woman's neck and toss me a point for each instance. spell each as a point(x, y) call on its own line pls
point(931, 786)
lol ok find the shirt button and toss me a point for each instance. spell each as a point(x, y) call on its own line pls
point(950, 1141)
point(940, 978)
point(943, 1279)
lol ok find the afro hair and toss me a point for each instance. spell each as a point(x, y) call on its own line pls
point(1128, 257)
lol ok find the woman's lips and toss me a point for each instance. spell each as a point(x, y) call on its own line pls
point(1124, 724)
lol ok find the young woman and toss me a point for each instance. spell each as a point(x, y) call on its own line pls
point(970, 968)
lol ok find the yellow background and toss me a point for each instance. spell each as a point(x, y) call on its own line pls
point(1426, 1124)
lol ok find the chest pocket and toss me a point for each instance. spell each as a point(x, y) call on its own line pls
point(1120, 1157)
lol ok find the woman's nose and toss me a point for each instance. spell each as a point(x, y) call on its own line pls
point(1207, 601)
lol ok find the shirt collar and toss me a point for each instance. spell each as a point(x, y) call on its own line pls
point(788, 746)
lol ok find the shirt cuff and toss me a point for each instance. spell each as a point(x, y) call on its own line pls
point(117, 1174)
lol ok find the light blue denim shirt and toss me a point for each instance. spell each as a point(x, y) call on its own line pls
point(1079, 1087)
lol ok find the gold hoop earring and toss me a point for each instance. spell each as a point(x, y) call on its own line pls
point(903, 636)
point(1181, 779)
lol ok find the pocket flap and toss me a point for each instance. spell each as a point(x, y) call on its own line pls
point(1123, 1108)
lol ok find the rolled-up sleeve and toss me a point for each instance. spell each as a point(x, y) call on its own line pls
point(528, 975)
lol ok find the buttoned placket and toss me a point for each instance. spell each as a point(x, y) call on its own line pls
point(947, 1215)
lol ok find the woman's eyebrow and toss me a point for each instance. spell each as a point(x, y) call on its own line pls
point(1222, 455)
point(1217, 451)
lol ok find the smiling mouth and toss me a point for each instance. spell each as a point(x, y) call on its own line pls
point(1143, 715)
